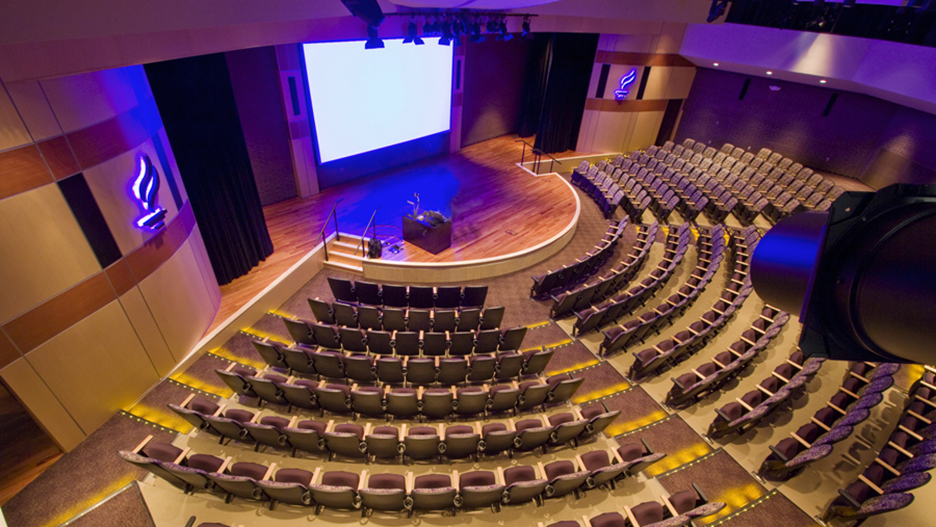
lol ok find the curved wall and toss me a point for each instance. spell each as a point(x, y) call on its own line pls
point(93, 309)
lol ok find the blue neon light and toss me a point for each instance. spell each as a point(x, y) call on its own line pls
point(626, 81)
point(146, 189)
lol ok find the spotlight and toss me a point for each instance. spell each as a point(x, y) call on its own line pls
point(446, 38)
point(823, 81)
point(373, 41)
point(525, 33)
point(412, 34)
point(431, 28)
point(769, 73)
point(715, 64)
point(491, 25)
point(503, 30)
point(476, 35)
point(458, 29)
point(717, 10)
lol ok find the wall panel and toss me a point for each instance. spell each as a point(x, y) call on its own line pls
point(179, 300)
point(112, 371)
point(13, 132)
point(36, 396)
point(82, 100)
point(42, 249)
point(111, 184)
point(33, 107)
point(134, 305)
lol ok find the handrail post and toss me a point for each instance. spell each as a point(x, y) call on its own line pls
point(551, 163)
point(325, 246)
point(335, 216)
point(523, 154)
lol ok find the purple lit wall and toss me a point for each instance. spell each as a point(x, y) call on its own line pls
point(876, 141)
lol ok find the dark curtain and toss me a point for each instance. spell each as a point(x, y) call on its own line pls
point(197, 106)
point(535, 77)
point(571, 62)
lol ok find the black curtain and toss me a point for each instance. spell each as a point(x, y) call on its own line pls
point(573, 56)
point(197, 106)
point(535, 77)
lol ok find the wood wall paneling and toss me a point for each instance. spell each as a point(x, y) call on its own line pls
point(178, 298)
point(42, 250)
point(204, 265)
point(120, 277)
point(108, 139)
point(82, 100)
point(8, 352)
point(60, 312)
point(680, 83)
point(646, 128)
point(22, 169)
point(111, 182)
point(58, 155)
point(34, 108)
point(159, 248)
point(147, 330)
point(42, 404)
point(13, 132)
point(112, 371)
point(657, 82)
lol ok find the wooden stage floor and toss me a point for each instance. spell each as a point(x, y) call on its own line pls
point(497, 209)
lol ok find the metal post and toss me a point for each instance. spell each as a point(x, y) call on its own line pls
point(523, 154)
point(337, 235)
point(325, 246)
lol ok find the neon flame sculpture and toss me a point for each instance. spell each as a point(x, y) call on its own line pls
point(626, 81)
point(146, 190)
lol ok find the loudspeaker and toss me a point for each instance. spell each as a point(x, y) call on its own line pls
point(367, 10)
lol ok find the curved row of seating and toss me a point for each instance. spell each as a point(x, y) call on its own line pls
point(391, 402)
point(767, 183)
point(388, 492)
point(861, 390)
point(675, 247)
point(610, 188)
point(387, 442)
point(582, 297)
point(404, 343)
point(745, 412)
point(900, 466)
point(682, 508)
point(412, 370)
point(625, 303)
point(402, 319)
point(670, 351)
point(710, 254)
point(726, 365)
point(417, 296)
point(572, 274)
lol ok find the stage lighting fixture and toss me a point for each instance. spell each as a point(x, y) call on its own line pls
point(860, 276)
point(717, 10)
point(431, 28)
point(525, 33)
point(373, 41)
point(412, 34)
point(367, 10)
point(446, 38)
point(476, 35)
point(502, 27)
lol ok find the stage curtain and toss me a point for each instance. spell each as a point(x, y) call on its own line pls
point(535, 77)
point(197, 106)
point(572, 59)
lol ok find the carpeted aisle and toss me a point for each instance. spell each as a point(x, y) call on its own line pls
point(83, 477)
point(126, 509)
point(673, 436)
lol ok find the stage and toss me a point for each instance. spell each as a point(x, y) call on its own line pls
point(505, 218)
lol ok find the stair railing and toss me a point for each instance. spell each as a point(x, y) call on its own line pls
point(325, 225)
point(370, 225)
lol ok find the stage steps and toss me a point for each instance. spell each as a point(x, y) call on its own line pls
point(341, 254)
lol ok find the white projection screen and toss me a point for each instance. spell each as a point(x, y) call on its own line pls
point(365, 99)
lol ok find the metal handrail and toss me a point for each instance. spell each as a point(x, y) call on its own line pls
point(373, 232)
point(538, 154)
point(325, 225)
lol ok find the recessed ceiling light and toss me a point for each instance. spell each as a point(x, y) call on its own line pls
point(823, 81)
point(769, 73)
point(714, 64)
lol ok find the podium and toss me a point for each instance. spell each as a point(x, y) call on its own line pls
point(429, 231)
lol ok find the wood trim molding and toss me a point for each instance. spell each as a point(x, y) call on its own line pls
point(31, 329)
point(629, 58)
point(31, 166)
point(632, 105)
point(8, 352)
